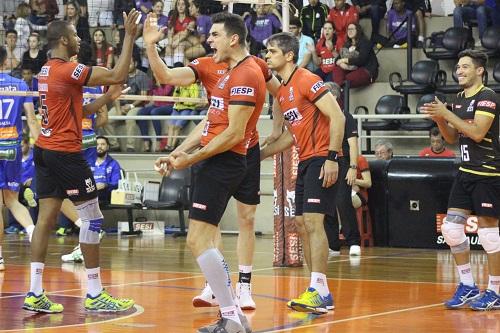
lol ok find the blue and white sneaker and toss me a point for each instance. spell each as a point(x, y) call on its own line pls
point(463, 295)
point(489, 300)
point(330, 304)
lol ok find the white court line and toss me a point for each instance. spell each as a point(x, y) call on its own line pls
point(333, 322)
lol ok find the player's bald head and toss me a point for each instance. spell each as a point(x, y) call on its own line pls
point(56, 30)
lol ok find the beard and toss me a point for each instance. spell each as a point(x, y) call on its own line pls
point(101, 154)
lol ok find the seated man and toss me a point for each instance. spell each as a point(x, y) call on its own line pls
point(467, 10)
point(437, 148)
point(106, 170)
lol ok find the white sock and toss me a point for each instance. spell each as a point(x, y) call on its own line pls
point(231, 313)
point(421, 38)
point(94, 285)
point(494, 284)
point(245, 269)
point(29, 231)
point(78, 223)
point(318, 282)
point(465, 273)
point(36, 277)
point(1, 248)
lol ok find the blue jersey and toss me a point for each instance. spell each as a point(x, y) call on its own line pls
point(28, 168)
point(11, 107)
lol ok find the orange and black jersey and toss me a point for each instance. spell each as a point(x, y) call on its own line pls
point(481, 158)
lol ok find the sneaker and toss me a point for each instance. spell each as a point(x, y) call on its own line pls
point(355, 250)
point(75, 255)
point(310, 301)
point(12, 230)
point(244, 296)
point(41, 303)
point(489, 300)
point(61, 232)
point(104, 302)
point(2, 264)
point(29, 196)
point(223, 325)
point(206, 299)
point(333, 253)
point(463, 295)
point(102, 233)
point(330, 304)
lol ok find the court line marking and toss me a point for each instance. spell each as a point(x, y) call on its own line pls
point(333, 322)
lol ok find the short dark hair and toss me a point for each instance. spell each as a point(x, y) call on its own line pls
point(3, 54)
point(102, 137)
point(286, 42)
point(233, 25)
point(55, 31)
point(479, 58)
point(10, 31)
point(296, 22)
point(434, 132)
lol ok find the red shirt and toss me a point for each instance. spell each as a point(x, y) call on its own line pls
point(341, 19)
point(309, 126)
point(60, 84)
point(362, 166)
point(242, 85)
point(427, 152)
point(327, 56)
point(208, 73)
point(102, 60)
point(182, 25)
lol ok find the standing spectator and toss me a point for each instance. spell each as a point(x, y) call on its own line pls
point(261, 24)
point(199, 46)
point(357, 62)
point(34, 58)
point(313, 17)
point(467, 10)
point(102, 51)
point(14, 52)
point(375, 10)
point(420, 9)
point(305, 59)
point(180, 24)
point(383, 150)
point(22, 26)
point(395, 26)
point(342, 14)
point(325, 52)
point(81, 23)
point(156, 108)
point(139, 84)
point(437, 148)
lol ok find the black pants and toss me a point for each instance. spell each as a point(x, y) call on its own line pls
point(346, 212)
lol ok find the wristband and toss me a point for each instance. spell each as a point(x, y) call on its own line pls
point(333, 156)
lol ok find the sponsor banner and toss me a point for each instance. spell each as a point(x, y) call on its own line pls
point(293, 246)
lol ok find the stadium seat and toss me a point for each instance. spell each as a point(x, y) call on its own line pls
point(491, 42)
point(421, 124)
point(496, 76)
point(455, 39)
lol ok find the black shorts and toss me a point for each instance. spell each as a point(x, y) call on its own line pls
point(249, 190)
point(480, 194)
point(416, 5)
point(310, 195)
point(216, 180)
point(63, 175)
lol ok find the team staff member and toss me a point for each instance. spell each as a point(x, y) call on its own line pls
point(473, 122)
point(316, 125)
point(58, 154)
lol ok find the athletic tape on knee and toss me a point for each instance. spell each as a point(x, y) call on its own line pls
point(490, 240)
point(91, 216)
point(454, 233)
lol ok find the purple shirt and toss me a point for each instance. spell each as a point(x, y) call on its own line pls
point(263, 28)
point(203, 25)
point(394, 20)
point(147, 4)
point(162, 20)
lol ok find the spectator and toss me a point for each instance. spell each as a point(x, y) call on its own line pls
point(14, 51)
point(494, 11)
point(34, 58)
point(395, 26)
point(362, 183)
point(342, 14)
point(383, 150)
point(261, 24)
point(106, 171)
point(156, 108)
point(162, 20)
point(183, 109)
point(305, 59)
point(325, 52)
point(119, 7)
point(144, 6)
point(139, 84)
point(82, 4)
point(43, 11)
point(313, 18)
point(31, 80)
point(180, 24)
point(102, 51)
point(357, 62)
point(81, 23)
point(198, 41)
point(100, 13)
point(22, 26)
point(467, 10)
point(437, 148)
point(375, 10)
point(420, 8)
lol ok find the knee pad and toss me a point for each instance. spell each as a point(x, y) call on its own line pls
point(454, 233)
point(91, 216)
point(490, 240)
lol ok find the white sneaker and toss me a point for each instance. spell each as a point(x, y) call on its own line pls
point(75, 255)
point(206, 299)
point(333, 253)
point(355, 250)
point(244, 296)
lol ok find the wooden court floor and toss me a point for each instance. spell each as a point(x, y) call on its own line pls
point(385, 290)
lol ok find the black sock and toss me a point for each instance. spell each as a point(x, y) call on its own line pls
point(244, 277)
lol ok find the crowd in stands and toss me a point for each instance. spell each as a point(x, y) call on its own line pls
point(332, 43)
